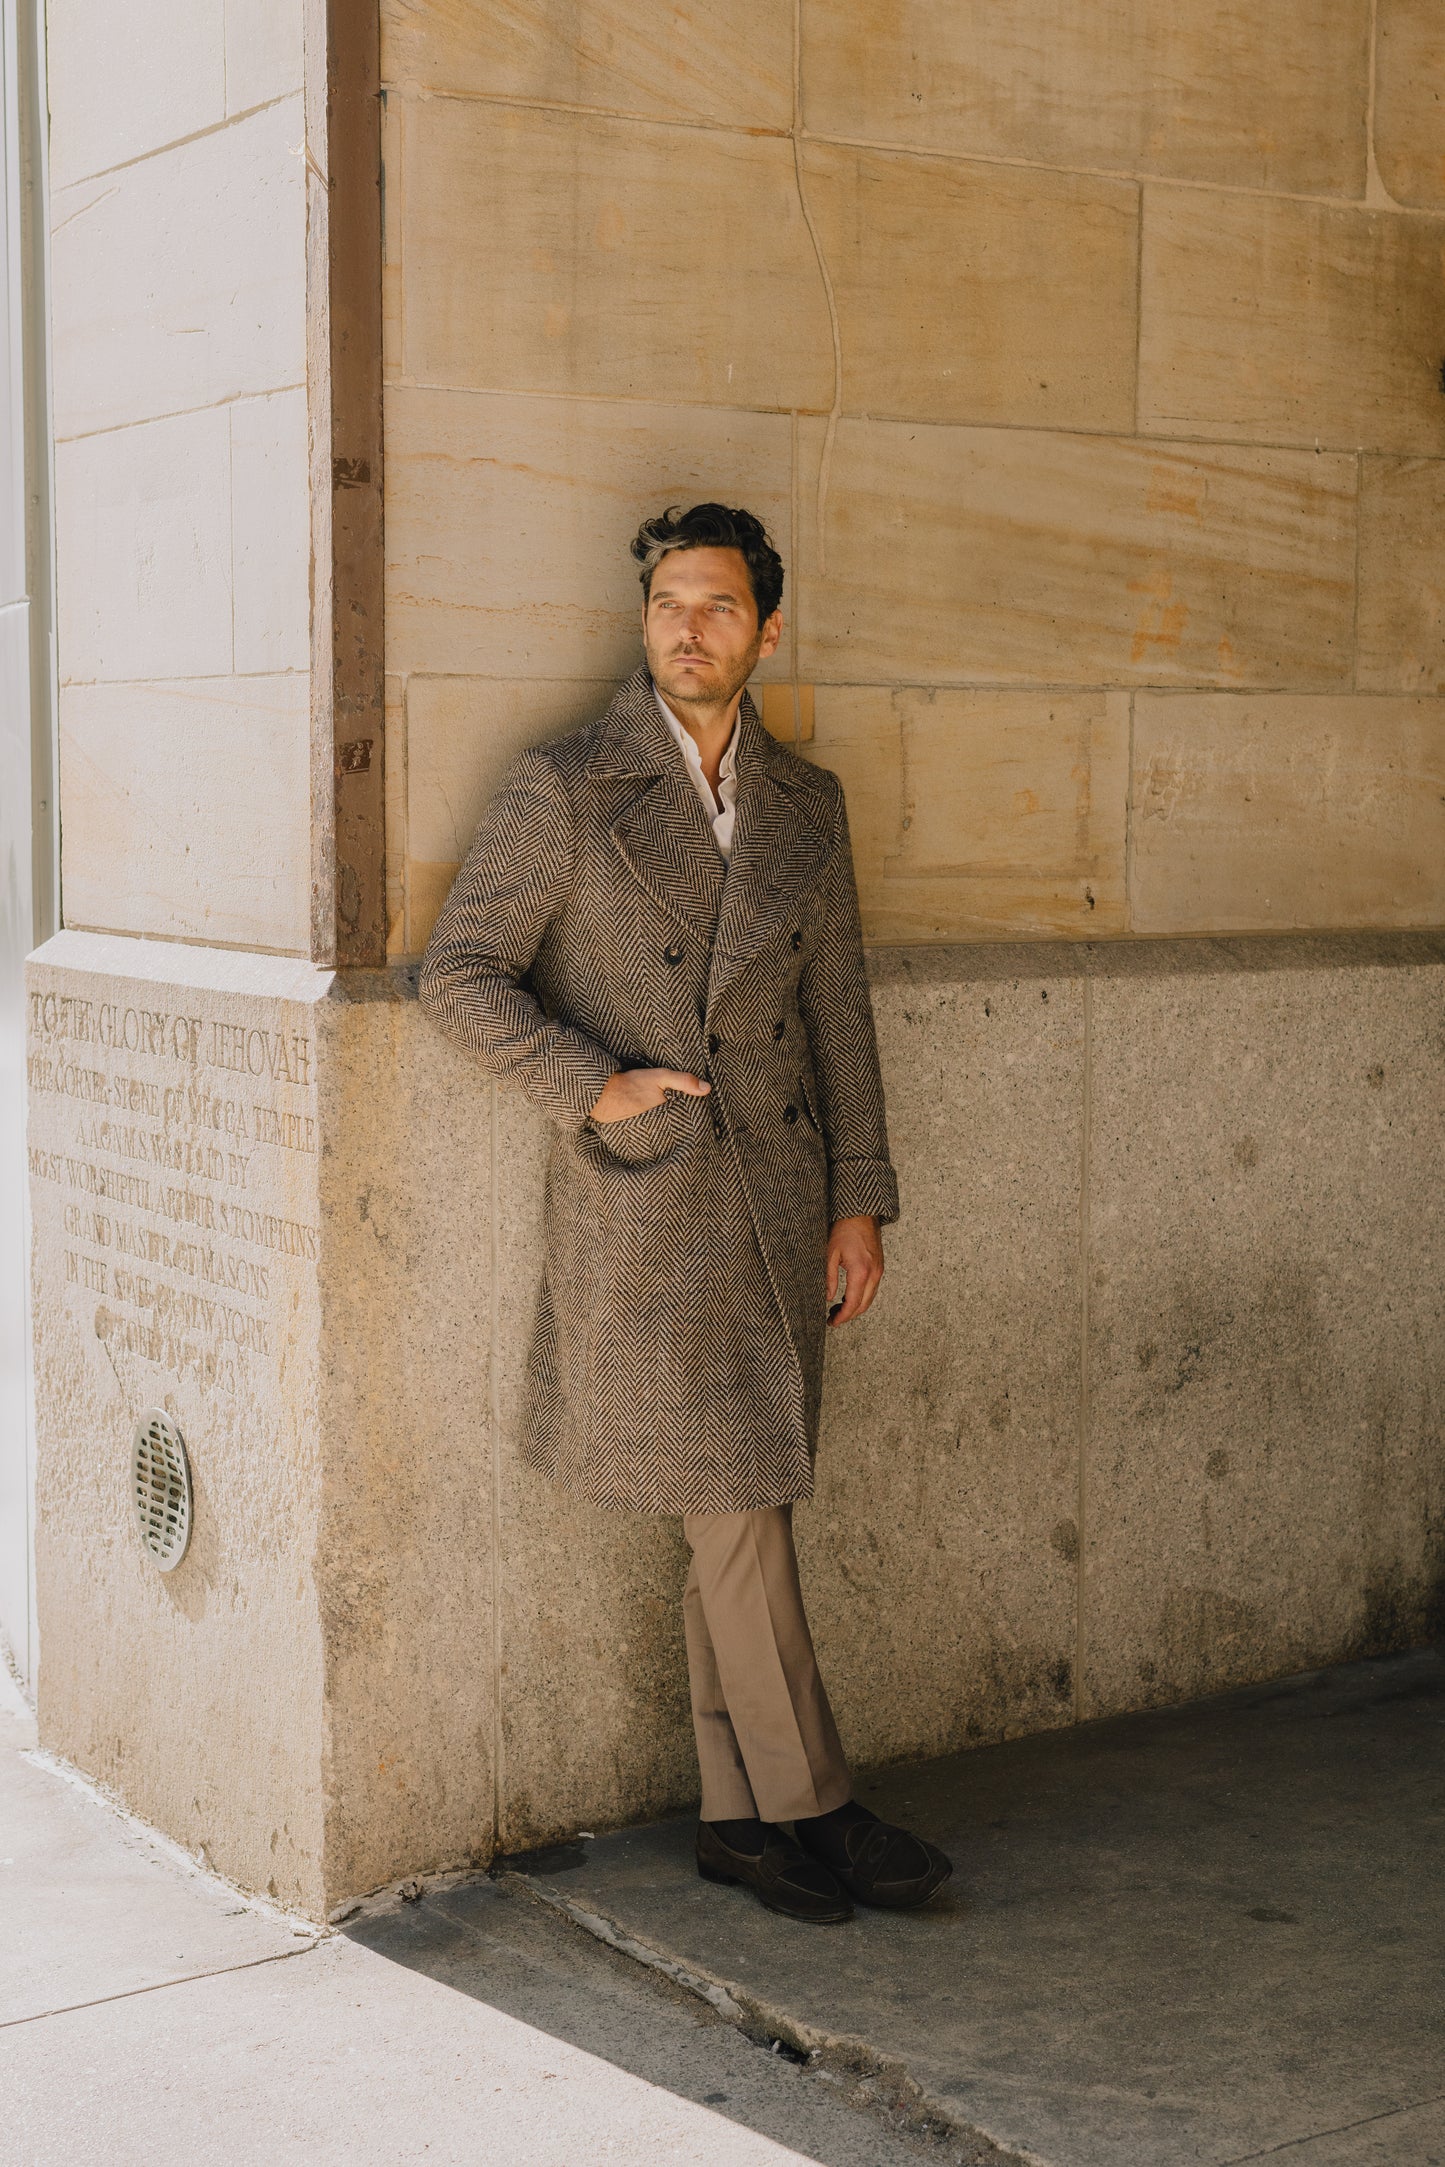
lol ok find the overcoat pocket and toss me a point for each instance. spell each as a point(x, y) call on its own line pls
point(638, 1137)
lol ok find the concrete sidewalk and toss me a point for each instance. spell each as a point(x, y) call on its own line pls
point(150, 2017)
point(1210, 1934)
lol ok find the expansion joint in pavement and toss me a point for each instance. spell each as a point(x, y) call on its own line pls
point(157, 1986)
point(868, 2079)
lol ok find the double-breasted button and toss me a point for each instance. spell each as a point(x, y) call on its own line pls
point(779, 1027)
point(713, 1042)
point(672, 955)
point(790, 1113)
point(797, 940)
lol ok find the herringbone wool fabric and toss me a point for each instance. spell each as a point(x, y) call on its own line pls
point(676, 1363)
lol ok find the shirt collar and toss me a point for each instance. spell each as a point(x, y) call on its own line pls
point(688, 742)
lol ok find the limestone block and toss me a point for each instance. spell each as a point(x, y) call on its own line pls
point(180, 281)
point(952, 280)
point(541, 255)
point(959, 554)
point(1235, 93)
point(271, 532)
point(405, 1574)
point(175, 1203)
point(939, 1555)
point(730, 60)
point(121, 82)
point(508, 522)
point(1264, 1488)
point(1287, 811)
point(1409, 111)
point(265, 51)
point(247, 1180)
point(143, 550)
point(1288, 321)
point(185, 809)
point(1400, 628)
point(463, 734)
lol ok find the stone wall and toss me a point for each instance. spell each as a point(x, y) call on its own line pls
point(182, 490)
point(1086, 364)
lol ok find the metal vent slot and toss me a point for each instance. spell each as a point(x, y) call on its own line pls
point(161, 1488)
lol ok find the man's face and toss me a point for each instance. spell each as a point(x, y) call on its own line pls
point(700, 627)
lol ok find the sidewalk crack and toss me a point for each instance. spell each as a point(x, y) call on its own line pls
point(220, 1971)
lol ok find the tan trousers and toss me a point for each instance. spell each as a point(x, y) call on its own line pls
point(766, 1741)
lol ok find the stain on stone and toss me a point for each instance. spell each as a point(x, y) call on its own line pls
point(1062, 1679)
point(1065, 1539)
point(1147, 1355)
point(1000, 1414)
point(1246, 1153)
point(1217, 1464)
point(1190, 1362)
point(1268, 1916)
point(1375, 1078)
point(1148, 1670)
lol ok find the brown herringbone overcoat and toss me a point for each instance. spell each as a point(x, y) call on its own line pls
point(677, 1357)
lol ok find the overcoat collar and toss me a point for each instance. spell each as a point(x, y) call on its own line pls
point(783, 836)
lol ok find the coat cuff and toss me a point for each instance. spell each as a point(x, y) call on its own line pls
point(862, 1188)
point(576, 1078)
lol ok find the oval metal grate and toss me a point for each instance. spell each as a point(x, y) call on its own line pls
point(161, 1488)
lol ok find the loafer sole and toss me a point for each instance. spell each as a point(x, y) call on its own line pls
point(777, 1899)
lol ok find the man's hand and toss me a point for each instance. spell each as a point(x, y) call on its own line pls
point(856, 1248)
point(633, 1090)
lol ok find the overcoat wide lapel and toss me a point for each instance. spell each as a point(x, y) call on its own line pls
point(651, 813)
point(782, 842)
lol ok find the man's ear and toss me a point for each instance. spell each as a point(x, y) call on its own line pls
point(772, 633)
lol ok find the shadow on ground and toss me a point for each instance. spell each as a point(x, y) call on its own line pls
point(1209, 1934)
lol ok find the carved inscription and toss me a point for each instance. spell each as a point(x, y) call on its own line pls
point(177, 1151)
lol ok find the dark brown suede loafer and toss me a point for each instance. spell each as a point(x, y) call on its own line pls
point(889, 1868)
point(784, 1877)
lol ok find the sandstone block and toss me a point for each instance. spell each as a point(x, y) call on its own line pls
point(548, 252)
point(171, 62)
point(1287, 811)
point(730, 60)
point(180, 282)
point(952, 280)
point(1409, 136)
point(1290, 322)
point(1012, 555)
point(1401, 623)
point(185, 809)
point(1260, 97)
point(508, 522)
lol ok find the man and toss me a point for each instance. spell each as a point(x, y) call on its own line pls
point(655, 934)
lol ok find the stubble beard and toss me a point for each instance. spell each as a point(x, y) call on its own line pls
point(717, 688)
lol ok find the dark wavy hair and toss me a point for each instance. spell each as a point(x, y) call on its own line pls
point(713, 526)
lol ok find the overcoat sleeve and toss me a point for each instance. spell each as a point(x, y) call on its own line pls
point(838, 1015)
point(514, 882)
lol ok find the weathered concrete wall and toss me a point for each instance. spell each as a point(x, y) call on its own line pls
point(1085, 363)
point(1150, 1403)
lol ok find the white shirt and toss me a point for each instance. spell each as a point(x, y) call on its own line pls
point(721, 816)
